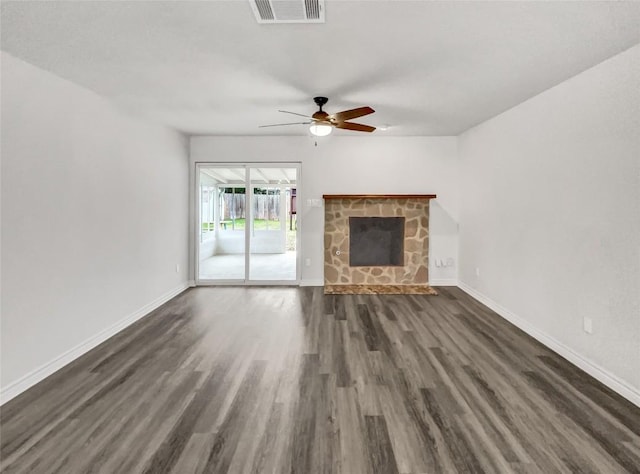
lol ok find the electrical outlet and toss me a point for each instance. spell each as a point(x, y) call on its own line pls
point(177, 268)
point(307, 262)
point(477, 271)
point(587, 325)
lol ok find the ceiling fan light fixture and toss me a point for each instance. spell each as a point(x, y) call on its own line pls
point(320, 129)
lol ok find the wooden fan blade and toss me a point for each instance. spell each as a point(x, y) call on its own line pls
point(294, 113)
point(351, 114)
point(358, 127)
point(281, 124)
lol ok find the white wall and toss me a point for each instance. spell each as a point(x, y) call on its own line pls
point(550, 214)
point(352, 165)
point(94, 220)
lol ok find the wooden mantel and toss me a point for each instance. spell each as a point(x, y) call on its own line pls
point(378, 196)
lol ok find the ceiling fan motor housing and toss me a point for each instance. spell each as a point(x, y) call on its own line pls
point(321, 115)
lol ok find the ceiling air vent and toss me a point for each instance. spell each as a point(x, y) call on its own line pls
point(288, 11)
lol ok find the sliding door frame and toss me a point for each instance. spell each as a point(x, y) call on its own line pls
point(248, 223)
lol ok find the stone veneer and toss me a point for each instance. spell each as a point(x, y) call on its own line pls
point(341, 278)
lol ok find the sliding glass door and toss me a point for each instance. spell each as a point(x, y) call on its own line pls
point(221, 243)
point(273, 224)
point(247, 224)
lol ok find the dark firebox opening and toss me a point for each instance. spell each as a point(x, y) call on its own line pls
point(376, 241)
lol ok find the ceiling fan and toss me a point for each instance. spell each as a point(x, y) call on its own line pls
point(323, 123)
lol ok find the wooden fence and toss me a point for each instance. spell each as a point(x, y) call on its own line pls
point(264, 206)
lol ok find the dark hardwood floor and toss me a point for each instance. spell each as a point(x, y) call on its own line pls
point(281, 380)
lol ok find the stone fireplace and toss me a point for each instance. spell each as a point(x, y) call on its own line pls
point(389, 253)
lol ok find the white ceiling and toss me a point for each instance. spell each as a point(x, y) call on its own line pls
point(427, 68)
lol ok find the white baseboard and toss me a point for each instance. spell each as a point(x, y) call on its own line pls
point(610, 380)
point(17, 387)
point(443, 282)
point(318, 282)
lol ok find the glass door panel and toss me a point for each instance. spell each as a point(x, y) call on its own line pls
point(273, 228)
point(222, 219)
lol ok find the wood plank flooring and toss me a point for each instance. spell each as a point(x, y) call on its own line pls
point(289, 380)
